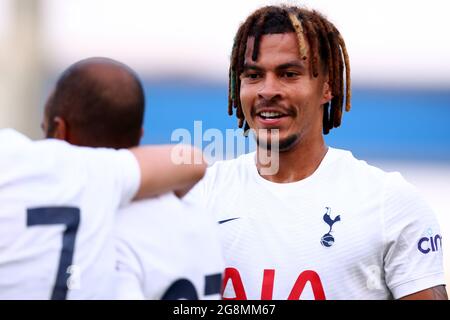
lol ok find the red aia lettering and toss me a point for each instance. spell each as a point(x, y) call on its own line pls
point(268, 281)
point(233, 274)
point(267, 285)
point(316, 285)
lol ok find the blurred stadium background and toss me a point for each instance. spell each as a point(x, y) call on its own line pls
point(398, 53)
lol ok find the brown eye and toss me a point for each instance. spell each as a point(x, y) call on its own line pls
point(252, 76)
point(290, 74)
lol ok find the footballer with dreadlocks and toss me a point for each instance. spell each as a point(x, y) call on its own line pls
point(324, 225)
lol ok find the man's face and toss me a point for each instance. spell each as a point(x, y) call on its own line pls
point(278, 92)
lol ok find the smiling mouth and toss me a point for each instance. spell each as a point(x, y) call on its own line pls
point(268, 115)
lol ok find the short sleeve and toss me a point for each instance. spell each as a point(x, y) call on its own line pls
point(413, 258)
point(130, 178)
point(115, 173)
point(119, 168)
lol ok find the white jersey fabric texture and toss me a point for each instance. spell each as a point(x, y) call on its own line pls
point(58, 204)
point(348, 231)
point(168, 249)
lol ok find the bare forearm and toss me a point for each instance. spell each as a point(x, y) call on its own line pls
point(168, 168)
point(435, 293)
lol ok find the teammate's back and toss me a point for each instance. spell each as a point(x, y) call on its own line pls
point(58, 201)
point(57, 205)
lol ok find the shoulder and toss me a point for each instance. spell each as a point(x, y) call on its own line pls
point(137, 220)
point(62, 161)
point(399, 200)
point(392, 182)
point(156, 215)
point(88, 158)
point(167, 218)
point(25, 156)
point(17, 146)
point(10, 138)
point(399, 197)
point(227, 170)
point(369, 182)
point(403, 200)
point(163, 209)
point(220, 176)
point(147, 209)
point(359, 171)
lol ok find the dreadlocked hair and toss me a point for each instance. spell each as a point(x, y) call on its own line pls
point(327, 50)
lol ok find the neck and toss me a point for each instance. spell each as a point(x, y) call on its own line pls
point(297, 163)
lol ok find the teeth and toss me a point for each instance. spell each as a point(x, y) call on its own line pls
point(270, 114)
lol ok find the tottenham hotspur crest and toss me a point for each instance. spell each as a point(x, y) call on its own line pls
point(327, 239)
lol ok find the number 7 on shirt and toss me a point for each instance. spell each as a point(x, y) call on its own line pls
point(70, 217)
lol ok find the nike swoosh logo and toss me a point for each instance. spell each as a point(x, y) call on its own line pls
point(223, 221)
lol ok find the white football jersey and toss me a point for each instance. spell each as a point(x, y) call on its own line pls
point(168, 249)
point(57, 209)
point(348, 231)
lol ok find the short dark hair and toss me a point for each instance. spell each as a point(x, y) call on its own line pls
point(327, 51)
point(102, 101)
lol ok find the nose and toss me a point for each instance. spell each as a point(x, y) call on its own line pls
point(270, 88)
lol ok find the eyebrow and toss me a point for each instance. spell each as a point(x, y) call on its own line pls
point(287, 65)
point(248, 66)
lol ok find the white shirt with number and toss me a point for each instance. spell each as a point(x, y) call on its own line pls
point(348, 231)
point(168, 249)
point(57, 209)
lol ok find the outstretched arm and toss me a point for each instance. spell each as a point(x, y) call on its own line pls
point(168, 168)
point(434, 293)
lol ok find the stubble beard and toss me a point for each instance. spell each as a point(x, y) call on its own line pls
point(284, 145)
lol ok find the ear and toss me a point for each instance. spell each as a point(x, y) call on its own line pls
point(326, 93)
point(60, 129)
